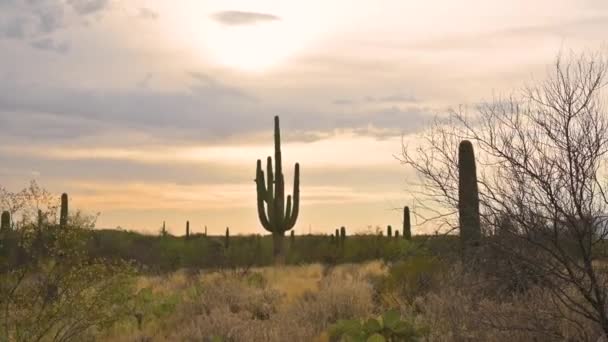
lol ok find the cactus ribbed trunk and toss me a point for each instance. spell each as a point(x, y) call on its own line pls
point(6, 221)
point(277, 214)
point(468, 198)
point(277, 244)
point(407, 227)
point(342, 235)
point(63, 217)
point(187, 230)
point(389, 231)
point(227, 238)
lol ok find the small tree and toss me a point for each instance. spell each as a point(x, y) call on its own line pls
point(540, 159)
point(50, 289)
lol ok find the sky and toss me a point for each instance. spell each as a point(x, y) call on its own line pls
point(152, 110)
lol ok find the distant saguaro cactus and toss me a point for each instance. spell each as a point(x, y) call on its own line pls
point(205, 231)
point(338, 236)
point(6, 221)
point(342, 235)
point(163, 232)
point(468, 197)
point(187, 230)
point(63, 217)
point(389, 231)
point(396, 233)
point(227, 238)
point(276, 216)
point(407, 227)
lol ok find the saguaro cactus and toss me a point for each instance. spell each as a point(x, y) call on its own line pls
point(276, 215)
point(63, 217)
point(163, 232)
point(396, 233)
point(468, 197)
point(6, 221)
point(389, 231)
point(187, 230)
point(205, 231)
point(342, 235)
point(407, 227)
point(227, 238)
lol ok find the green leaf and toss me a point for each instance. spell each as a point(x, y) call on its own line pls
point(391, 318)
point(403, 328)
point(376, 338)
point(351, 327)
point(372, 326)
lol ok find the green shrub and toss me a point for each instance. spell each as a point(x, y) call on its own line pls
point(388, 327)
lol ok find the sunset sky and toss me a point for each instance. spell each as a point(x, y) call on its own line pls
point(158, 110)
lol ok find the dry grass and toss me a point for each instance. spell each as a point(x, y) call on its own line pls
point(288, 303)
point(299, 303)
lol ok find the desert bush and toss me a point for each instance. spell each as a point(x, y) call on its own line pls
point(460, 310)
point(388, 327)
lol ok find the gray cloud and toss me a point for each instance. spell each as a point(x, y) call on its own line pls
point(146, 13)
point(85, 7)
point(49, 44)
point(14, 28)
point(237, 18)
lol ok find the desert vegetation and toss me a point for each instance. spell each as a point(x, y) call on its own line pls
point(516, 191)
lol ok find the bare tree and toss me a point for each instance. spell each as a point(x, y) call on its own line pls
point(542, 186)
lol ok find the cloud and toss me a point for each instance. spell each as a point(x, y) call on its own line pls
point(146, 13)
point(14, 28)
point(49, 44)
point(85, 7)
point(238, 18)
point(50, 18)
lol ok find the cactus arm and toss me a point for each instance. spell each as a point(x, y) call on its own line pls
point(261, 191)
point(296, 198)
point(270, 182)
point(288, 210)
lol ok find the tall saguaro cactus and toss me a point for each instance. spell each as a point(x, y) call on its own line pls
point(276, 215)
point(389, 231)
point(63, 216)
point(468, 197)
point(6, 221)
point(407, 227)
point(187, 230)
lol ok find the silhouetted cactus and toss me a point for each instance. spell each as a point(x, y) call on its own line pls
point(276, 215)
point(40, 218)
point(338, 236)
point(187, 230)
point(6, 221)
point(342, 235)
point(389, 231)
point(163, 232)
point(332, 239)
point(227, 238)
point(63, 217)
point(407, 227)
point(468, 197)
point(396, 233)
point(205, 231)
